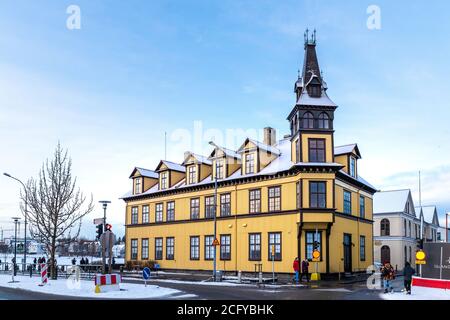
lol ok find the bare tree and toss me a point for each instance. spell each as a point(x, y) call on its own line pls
point(56, 206)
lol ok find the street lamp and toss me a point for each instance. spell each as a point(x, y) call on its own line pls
point(215, 218)
point(25, 214)
point(105, 205)
point(16, 220)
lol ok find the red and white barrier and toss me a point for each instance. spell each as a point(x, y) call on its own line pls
point(44, 276)
point(107, 282)
point(431, 283)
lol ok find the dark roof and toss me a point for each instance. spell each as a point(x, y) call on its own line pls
point(311, 63)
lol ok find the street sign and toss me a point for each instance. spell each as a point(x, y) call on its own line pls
point(98, 221)
point(420, 257)
point(146, 274)
point(316, 255)
point(216, 242)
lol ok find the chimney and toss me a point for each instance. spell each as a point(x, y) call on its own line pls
point(270, 136)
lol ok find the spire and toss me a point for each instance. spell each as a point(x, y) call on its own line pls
point(310, 64)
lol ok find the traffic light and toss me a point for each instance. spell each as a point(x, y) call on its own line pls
point(420, 244)
point(99, 231)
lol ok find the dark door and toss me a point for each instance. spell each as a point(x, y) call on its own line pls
point(385, 254)
point(347, 252)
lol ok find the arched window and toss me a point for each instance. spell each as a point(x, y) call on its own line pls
point(324, 122)
point(308, 121)
point(385, 227)
point(385, 254)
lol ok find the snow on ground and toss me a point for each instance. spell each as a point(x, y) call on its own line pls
point(85, 289)
point(418, 293)
point(61, 260)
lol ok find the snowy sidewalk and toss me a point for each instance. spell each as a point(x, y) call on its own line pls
point(85, 289)
point(418, 293)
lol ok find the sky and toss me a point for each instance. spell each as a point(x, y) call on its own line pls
point(109, 90)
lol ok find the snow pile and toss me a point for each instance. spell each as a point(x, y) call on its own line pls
point(85, 289)
point(419, 293)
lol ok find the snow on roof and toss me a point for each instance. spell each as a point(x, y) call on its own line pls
point(229, 153)
point(174, 166)
point(429, 214)
point(390, 201)
point(147, 173)
point(344, 149)
point(261, 146)
point(306, 100)
point(199, 158)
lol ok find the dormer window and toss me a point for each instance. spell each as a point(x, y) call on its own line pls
point(249, 163)
point(137, 185)
point(308, 121)
point(314, 91)
point(324, 122)
point(353, 167)
point(219, 169)
point(163, 180)
point(192, 174)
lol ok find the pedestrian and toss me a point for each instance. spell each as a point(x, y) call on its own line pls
point(388, 274)
point(74, 261)
point(408, 272)
point(305, 265)
point(296, 267)
point(113, 260)
point(87, 261)
point(82, 262)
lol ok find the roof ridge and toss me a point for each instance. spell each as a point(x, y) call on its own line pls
point(394, 190)
point(346, 145)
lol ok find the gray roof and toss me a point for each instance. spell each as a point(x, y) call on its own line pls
point(174, 166)
point(261, 146)
point(429, 214)
point(199, 158)
point(145, 173)
point(393, 201)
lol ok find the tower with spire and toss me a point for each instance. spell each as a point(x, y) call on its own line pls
point(311, 119)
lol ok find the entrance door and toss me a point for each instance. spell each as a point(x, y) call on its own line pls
point(385, 254)
point(347, 252)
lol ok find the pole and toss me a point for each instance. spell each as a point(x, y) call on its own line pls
point(446, 228)
point(15, 247)
point(421, 237)
point(215, 228)
point(273, 264)
point(104, 231)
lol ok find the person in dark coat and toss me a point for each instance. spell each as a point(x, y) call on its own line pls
point(408, 272)
point(305, 265)
point(388, 274)
point(74, 261)
point(296, 267)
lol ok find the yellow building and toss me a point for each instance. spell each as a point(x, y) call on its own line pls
point(275, 199)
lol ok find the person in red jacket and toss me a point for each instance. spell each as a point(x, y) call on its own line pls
point(296, 266)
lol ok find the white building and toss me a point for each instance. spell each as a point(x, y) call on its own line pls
point(397, 227)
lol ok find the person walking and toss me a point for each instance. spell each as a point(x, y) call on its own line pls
point(74, 261)
point(305, 265)
point(408, 272)
point(388, 274)
point(296, 267)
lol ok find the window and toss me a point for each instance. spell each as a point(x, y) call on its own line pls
point(317, 193)
point(347, 202)
point(312, 238)
point(210, 207)
point(255, 201)
point(324, 121)
point(275, 242)
point(314, 90)
point(316, 150)
point(404, 228)
point(249, 163)
point(353, 167)
point(225, 204)
point(410, 257)
point(134, 249)
point(308, 121)
point(362, 207)
point(195, 248)
point(409, 229)
point(134, 215)
point(225, 247)
point(219, 169)
point(137, 185)
point(170, 215)
point(275, 198)
point(170, 248)
point(209, 248)
point(298, 195)
point(195, 208)
point(145, 214)
point(159, 212)
point(192, 174)
point(362, 248)
point(144, 249)
point(164, 180)
point(254, 241)
point(385, 227)
point(158, 248)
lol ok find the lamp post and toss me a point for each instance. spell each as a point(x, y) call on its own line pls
point(16, 220)
point(25, 214)
point(105, 205)
point(215, 219)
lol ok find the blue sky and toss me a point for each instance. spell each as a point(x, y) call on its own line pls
point(136, 69)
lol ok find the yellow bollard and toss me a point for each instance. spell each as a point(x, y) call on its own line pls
point(315, 276)
point(97, 289)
